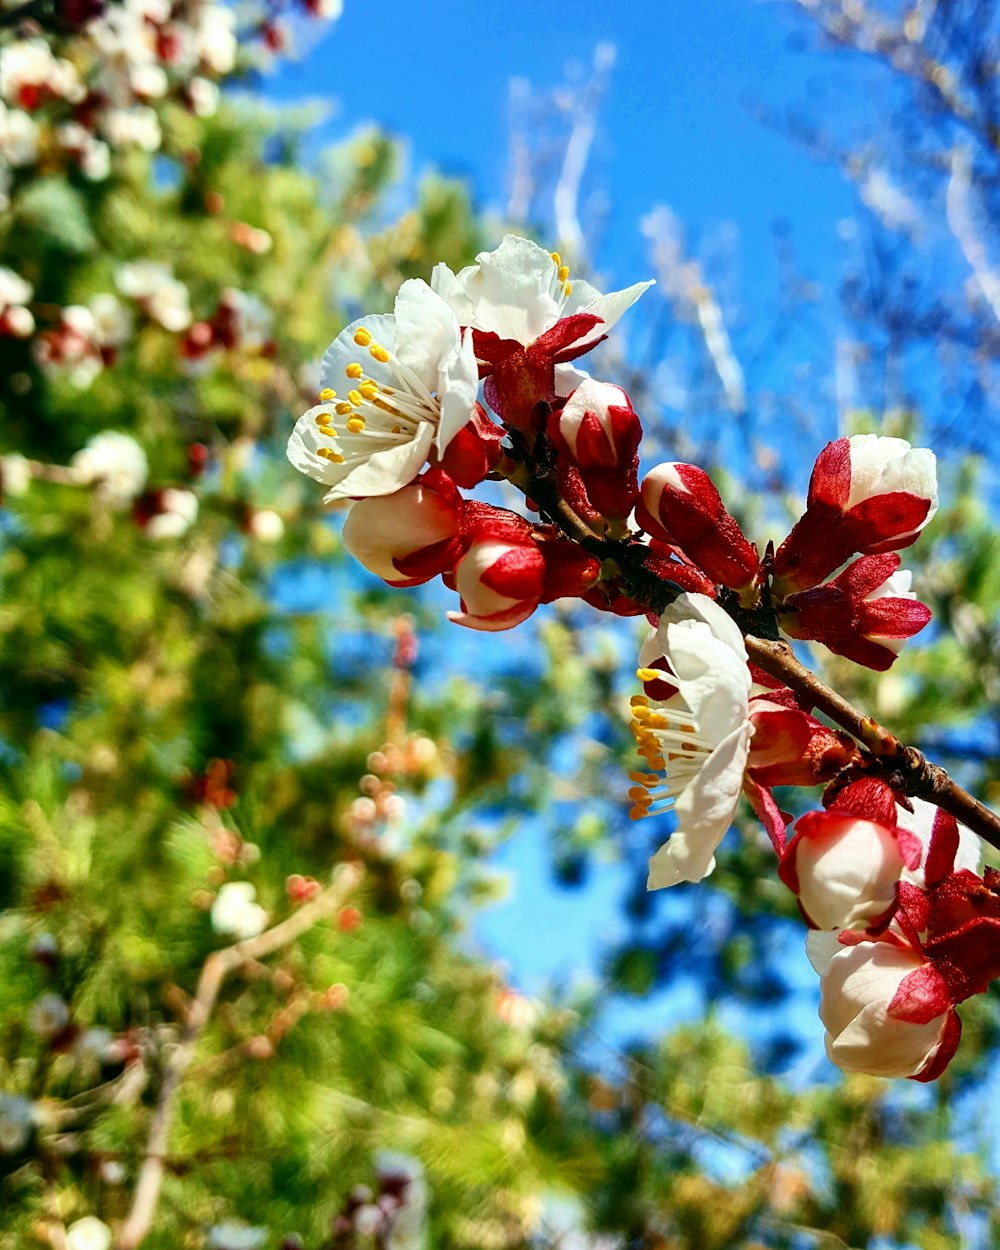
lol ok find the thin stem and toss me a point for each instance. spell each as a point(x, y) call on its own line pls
point(917, 775)
point(214, 971)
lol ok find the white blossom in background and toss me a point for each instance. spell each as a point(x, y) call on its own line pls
point(116, 464)
point(92, 154)
point(266, 526)
point(15, 476)
point(237, 914)
point(18, 137)
point(699, 736)
point(48, 1015)
point(178, 512)
point(113, 321)
point(17, 1118)
point(136, 126)
point(29, 72)
point(153, 286)
point(204, 96)
point(15, 293)
point(89, 1233)
point(231, 1235)
point(215, 38)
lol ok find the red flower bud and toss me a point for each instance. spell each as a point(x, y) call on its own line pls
point(679, 503)
point(410, 536)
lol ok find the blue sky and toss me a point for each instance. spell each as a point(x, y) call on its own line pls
point(677, 127)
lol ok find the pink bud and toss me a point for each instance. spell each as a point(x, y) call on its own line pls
point(501, 576)
point(867, 495)
point(679, 504)
point(866, 613)
point(791, 748)
point(887, 1011)
point(410, 536)
point(844, 870)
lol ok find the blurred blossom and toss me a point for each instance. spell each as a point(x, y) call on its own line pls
point(90, 1233)
point(266, 526)
point(233, 1236)
point(18, 137)
point(15, 292)
point(154, 287)
point(116, 463)
point(15, 476)
point(17, 1116)
point(177, 512)
point(48, 1015)
point(236, 913)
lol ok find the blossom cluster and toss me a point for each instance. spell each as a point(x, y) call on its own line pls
point(472, 378)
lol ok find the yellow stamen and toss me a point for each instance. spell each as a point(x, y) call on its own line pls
point(563, 272)
point(379, 353)
point(568, 288)
point(344, 410)
point(329, 454)
point(326, 394)
point(356, 398)
point(356, 425)
point(556, 257)
point(369, 390)
point(650, 674)
point(354, 370)
point(362, 337)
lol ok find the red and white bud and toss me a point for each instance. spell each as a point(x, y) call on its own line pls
point(501, 577)
point(791, 748)
point(844, 870)
point(887, 1011)
point(867, 495)
point(679, 503)
point(866, 613)
point(410, 536)
point(569, 571)
point(597, 426)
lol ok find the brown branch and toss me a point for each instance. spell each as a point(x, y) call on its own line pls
point(214, 971)
point(917, 775)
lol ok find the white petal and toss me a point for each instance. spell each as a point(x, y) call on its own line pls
point(457, 389)
point(704, 813)
point(343, 351)
point(512, 290)
point(610, 308)
point(427, 331)
point(384, 471)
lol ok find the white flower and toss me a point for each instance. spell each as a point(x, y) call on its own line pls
point(136, 126)
point(17, 1116)
point(15, 475)
point(233, 1236)
point(162, 295)
point(519, 291)
point(698, 736)
point(921, 822)
point(90, 1233)
point(869, 1014)
point(178, 512)
point(13, 288)
point(112, 320)
point(215, 38)
point(117, 463)
point(18, 137)
point(28, 70)
point(48, 1015)
point(204, 96)
point(237, 913)
point(411, 382)
point(266, 525)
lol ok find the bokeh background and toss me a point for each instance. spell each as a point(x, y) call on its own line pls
point(497, 1038)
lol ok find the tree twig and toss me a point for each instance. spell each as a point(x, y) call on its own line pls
point(214, 972)
point(917, 775)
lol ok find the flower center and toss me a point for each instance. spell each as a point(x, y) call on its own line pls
point(673, 747)
point(562, 288)
point(374, 417)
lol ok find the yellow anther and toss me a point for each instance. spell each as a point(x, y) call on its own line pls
point(556, 257)
point(568, 289)
point(379, 353)
point(642, 713)
point(344, 410)
point(639, 796)
point(354, 370)
point(649, 674)
point(326, 394)
point(369, 390)
point(563, 272)
point(638, 813)
point(356, 425)
point(356, 398)
point(329, 454)
point(362, 337)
